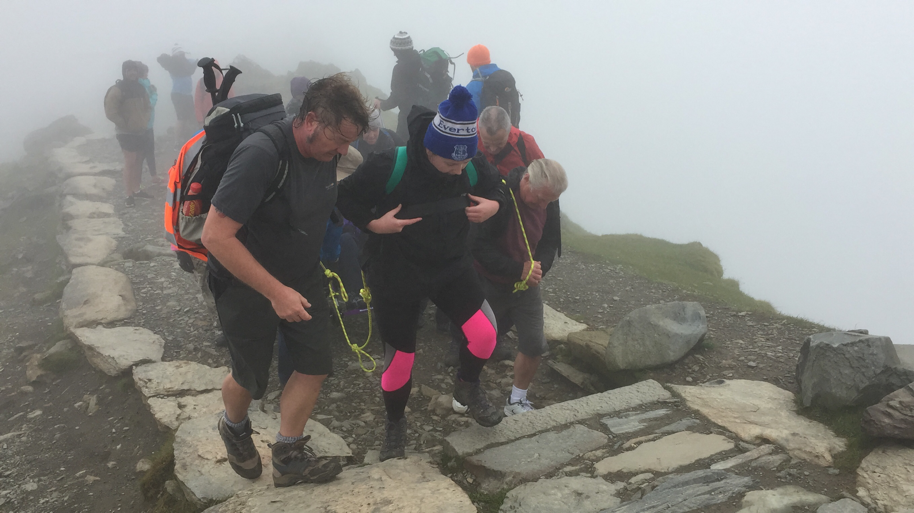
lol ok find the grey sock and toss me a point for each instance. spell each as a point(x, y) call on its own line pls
point(287, 439)
point(236, 427)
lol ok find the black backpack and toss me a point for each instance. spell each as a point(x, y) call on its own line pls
point(499, 89)
point(205, 157)
point(436, 81)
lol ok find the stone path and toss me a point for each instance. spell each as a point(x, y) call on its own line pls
point(633, 449)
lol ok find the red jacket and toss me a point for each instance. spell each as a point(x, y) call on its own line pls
point(509, 157)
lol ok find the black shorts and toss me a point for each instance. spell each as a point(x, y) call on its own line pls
point(250, 323)
point(184, 106)
point(132, 142)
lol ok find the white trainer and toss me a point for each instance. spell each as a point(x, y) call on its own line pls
point(457, 407)
point(521, 406)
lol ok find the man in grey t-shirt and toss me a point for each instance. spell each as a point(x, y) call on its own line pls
point(266, 275)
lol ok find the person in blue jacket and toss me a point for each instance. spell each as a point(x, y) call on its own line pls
point(481, 63)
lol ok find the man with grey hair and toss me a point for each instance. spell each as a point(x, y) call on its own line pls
point(513, 250)
point(505, 146)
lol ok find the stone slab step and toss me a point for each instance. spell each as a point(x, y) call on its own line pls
point(82, 248)
point(177, 378)
point(885, 478)
point(73, 208)
point(633, 421)
point(96, 295)
point(694, 491)
point(204, 472)
point(523, 460)
point(757, 411)
point(666, 454)
point(578, 494)
point(88, 186)
point(557, 326)
point(475, 438)
point(116, 350)
point(409, 485)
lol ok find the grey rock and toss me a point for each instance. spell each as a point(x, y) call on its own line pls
point(475, 438)
point(906, 355)
point(143, 252)
point(781, 500)
point(893, 417)
point(522, 460)
point(655, 335)
point(60, 132)
point(744, 457)
point(143, 465)
point(842, 506)
point(578, 494)
point(85, 248)
point(694, 491)
point(838, 369)
point(110, 226)
point(633, 421)
point(557, 326)
point(680, 425)
point(770, 462)
point(177, 378)
point(96, 295)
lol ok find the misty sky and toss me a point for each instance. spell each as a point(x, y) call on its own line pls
point(779, 134)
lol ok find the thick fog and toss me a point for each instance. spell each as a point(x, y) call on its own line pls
point(779, 134)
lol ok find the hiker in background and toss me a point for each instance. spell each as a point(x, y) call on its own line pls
point(149, 149)
point(492, 85)
point(203, 101)
point(511, 269)
point(505, 146)
point(417, 204)
point(405, 87)
point(181, 69)
point(273, 279)
point(377, 138)
point(127, 105)
point(298, 86)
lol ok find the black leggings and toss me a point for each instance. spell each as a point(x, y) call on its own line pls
point(462, 300)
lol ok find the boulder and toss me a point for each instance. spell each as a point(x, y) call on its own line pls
point(204, 472)
point(757, 411)
point(694, 491)
point(885, 478)
point(73, 208)
point(781, 500)
point(578, 494)
point(557, 326)
point(96, 295)
point(589, 347)
point(666, 454)
point(58, 133)
point(115, 350)
point(527, 459)
point(86, 249)
point(841, 368)
point(893, 417)
point(410, 485)
point(842, 506)
point(177, 378)
point(655, 335)
point(90, 186)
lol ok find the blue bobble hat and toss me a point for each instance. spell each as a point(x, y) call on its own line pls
point(452, 134)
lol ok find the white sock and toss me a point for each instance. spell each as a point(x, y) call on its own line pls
point(517, 395)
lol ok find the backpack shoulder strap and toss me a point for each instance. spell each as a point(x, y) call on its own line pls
point(471, 174)
point(278, 138)
point(522, 148)
point(399, 168)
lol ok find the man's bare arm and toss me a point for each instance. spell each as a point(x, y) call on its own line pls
point(219, 239)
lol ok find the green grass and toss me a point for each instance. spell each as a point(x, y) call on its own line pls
point(691, 267)
point(845, 422)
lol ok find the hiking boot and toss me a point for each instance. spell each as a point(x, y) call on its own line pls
point(472, 395)
point(130, 201)
point(521, 406)
point(296, 463)
point(457, 407)
point(394, 440)
point(242, 455)
point(142, 194)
